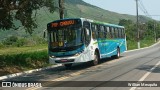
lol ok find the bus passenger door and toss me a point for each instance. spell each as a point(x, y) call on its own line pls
point(87, 33)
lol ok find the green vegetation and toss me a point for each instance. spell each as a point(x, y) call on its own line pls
point(14, 41)
point(19, 54)
point(25, 49)
point(23, 61)
point(147, 32)
point(27, 59)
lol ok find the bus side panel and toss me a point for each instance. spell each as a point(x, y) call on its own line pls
point(102, 47)
point(108, 48)
point(112, 48)
point(123, 46)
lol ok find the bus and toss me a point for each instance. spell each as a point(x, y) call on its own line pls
point(76, 40)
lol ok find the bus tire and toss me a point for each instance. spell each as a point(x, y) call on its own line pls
point(118, 53)
point(96, 59)
point(68, 65)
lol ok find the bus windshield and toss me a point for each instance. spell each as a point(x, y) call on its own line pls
point(65, 37)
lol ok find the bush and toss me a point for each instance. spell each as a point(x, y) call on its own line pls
point(39, 40)
point(10, 40)
point(14, 41)
point(18, 42)
point(21, 42)
point(1, 45)
point(25, 60)
point(131, 44)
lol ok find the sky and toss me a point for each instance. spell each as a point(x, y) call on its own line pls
point(129, 6)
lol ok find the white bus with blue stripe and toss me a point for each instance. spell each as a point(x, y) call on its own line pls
point(78, 40)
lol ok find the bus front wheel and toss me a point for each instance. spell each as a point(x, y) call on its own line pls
point(96, 59)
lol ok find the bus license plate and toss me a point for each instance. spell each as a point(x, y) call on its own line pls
point(64, 60)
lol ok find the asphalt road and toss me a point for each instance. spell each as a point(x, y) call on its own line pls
point(132, 68)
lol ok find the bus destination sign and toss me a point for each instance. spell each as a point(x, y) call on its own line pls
point(62, 23)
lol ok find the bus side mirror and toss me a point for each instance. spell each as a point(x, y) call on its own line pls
point(44, 33)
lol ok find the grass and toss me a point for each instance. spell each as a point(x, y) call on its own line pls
point(17, 50)
point(18, 59)
point(131, 45)
point(144, 43)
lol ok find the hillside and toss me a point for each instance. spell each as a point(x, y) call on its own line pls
point(89, 11)
point(73, 8)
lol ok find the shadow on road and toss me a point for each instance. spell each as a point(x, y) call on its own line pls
point(148, 68)
point(56, 72)
point(86, 65)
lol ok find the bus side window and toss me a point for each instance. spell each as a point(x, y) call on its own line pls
point(120, 33)
point(98, 31)
point(123, 33)
point(93, 31)
point(105, 32)
point(116, 33)
point(101, 31)
point(113, 33)
point(108, 32)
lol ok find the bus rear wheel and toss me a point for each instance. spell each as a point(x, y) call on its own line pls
point(118, 53)
point(96, 59)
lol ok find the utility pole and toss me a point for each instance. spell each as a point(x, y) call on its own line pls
point(138, 35)
point(155, 35)
point(61, 9)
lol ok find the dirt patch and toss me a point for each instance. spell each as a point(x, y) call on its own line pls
point(10, 70)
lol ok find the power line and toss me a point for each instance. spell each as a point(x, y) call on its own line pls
point(143, 9)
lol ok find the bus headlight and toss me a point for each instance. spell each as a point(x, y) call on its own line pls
point(77, 54)
point(52, 56)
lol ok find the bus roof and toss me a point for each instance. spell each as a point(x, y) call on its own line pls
point(102, 23)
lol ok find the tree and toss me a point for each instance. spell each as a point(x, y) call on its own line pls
point(130, 28)
point(125, 22)
point(22, 10)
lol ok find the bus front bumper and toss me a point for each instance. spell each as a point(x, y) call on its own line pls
point(84, 57)
point(62, 60)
